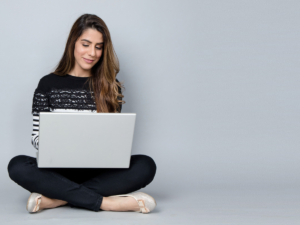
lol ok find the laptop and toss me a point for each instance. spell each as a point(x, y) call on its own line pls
point(85, 140)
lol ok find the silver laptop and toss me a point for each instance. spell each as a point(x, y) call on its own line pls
point(85, 140)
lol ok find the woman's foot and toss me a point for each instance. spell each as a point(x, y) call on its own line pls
point(116, 203)
point(49, 203)
point(135, 201)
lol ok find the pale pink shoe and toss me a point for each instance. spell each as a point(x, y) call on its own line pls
point(146, 202)
point(33, 203)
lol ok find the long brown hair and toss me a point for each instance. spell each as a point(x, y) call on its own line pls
point(103, 74)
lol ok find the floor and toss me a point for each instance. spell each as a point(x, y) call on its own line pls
point(206, 206)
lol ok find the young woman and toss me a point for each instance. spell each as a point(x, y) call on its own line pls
point(85, 80)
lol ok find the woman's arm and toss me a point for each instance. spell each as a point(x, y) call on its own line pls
point(35, 131)
point(40, 103)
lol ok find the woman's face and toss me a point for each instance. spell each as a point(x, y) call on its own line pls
point(88, 49)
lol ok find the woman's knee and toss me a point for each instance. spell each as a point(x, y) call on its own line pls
point(146, 165)
point(16, 167)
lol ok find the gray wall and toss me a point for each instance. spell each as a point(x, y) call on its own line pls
point(215, 84)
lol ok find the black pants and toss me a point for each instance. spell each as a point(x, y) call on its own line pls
point(81, 187)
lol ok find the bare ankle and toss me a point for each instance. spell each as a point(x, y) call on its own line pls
point(107, 204)
point(49, 203)
point(119, 204)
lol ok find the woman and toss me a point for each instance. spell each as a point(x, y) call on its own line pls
point(85, 80)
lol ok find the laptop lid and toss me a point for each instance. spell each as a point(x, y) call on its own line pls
point(85, 140)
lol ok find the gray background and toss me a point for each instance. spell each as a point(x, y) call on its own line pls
point(215, 85)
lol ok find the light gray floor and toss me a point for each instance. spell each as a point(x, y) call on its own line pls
point(206, 206)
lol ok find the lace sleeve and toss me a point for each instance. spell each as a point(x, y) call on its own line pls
point(40, 103)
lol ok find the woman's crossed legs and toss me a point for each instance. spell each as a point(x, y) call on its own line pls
point(82, 187)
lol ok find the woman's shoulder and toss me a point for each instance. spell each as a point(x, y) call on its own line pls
point(48, 77)
point(46, 81)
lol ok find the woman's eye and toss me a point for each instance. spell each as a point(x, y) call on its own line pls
point(87, 46)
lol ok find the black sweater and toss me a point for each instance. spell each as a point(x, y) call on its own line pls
point(61, 94)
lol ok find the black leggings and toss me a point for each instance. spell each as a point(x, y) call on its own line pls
point(81, 187)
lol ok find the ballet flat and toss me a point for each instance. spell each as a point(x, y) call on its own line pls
point(146, 202)
point(33, 203)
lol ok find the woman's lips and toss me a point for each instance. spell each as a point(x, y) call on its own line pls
point(88, 61)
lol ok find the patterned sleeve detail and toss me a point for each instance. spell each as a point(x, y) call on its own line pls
point(40, 103)
point(35, 132)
